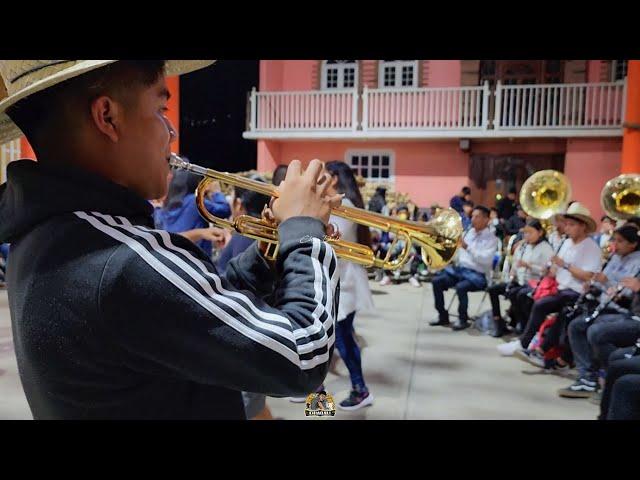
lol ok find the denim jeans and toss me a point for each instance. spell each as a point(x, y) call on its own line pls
point(464, 280)
point(593, 343)
point(349, 351)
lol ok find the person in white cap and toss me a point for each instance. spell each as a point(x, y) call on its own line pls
point(576, 262)
point(115, 320)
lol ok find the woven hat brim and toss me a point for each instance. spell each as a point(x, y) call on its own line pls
point(10, 131)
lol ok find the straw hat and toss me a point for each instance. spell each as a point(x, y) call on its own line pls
point(579, 212)
point(21, 78)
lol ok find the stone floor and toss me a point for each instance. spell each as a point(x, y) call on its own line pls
point(413, 370)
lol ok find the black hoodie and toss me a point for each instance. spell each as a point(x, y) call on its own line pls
point(112, 319)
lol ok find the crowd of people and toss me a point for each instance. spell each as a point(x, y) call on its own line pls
point(574, 296)
point(545, 278)
point(178, 213)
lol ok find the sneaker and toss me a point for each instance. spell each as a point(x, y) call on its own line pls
point(596, 398)
point(460, 325)
point(508, 349)
point(533, 357)
point(582, 388)
point(415, 282)
point(396, 275)
point(385, 281)
point(356, 400)
point(553, 366)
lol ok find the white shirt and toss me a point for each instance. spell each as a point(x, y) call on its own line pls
point(355, 294)
point(481, 248)
point(555, 239)
point(537, 256)
point(586, 255)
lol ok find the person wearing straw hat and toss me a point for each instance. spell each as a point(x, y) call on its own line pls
point(576, 262)
point(115, 320)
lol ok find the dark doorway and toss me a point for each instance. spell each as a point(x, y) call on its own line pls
point(213, 112)
point(496, 174)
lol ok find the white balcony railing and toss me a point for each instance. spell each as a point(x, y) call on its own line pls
point(566, 106)
point(426, 108)
point(584, 109)
point(316, 110)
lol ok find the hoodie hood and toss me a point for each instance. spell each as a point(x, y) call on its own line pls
point(34, 192)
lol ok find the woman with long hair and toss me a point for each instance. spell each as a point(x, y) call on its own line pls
point(529, 260)
point(355, 294)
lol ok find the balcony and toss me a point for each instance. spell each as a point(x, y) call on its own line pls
point(553, 110)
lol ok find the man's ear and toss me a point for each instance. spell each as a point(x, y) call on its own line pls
point(106, 113)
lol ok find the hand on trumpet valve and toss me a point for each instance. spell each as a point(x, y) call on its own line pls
point(333, 232)
point(304, 193)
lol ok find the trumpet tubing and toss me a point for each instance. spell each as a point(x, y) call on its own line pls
point(438, 239)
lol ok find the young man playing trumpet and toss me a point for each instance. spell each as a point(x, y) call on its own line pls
point(113, 319)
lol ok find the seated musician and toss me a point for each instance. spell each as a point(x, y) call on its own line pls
point(529, 261)
point(592, 342)
point(578, 259)
point(472, 265)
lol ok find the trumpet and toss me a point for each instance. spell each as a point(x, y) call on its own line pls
point(438, 239)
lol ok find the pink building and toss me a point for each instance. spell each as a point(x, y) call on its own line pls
point(430, 127)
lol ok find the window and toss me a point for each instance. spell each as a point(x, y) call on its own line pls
point(397, 73)
point(339, 74)
point(372, 165)
point(618, 70)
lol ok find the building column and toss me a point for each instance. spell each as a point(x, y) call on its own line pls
point(631, 137)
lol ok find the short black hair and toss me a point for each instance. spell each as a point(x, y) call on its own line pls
point(483, 209)
point(466, 190)
point(493, 209)
point(322, 392)
point(513, 190)
point(467, 203)
point(58, 108)
point(607, 218)
point(630, 233)
point(252, 201)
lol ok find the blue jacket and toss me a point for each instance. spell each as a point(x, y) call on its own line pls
point(456, 203)
point(187, 217)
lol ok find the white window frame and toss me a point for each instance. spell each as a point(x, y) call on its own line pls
point(614, 67)
point(370, 153)
point(341, 67)
point(397, 64)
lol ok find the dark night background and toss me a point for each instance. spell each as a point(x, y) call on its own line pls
point(213, 115)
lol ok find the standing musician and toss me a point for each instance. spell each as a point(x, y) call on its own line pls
point(115, 320)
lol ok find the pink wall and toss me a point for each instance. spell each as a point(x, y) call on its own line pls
point(589, 163)
point(515, 146)
point(268, 155)
point(444, 73)
point(286, 75)
point(428, 171)
point(594, 71)
point(270, 75)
